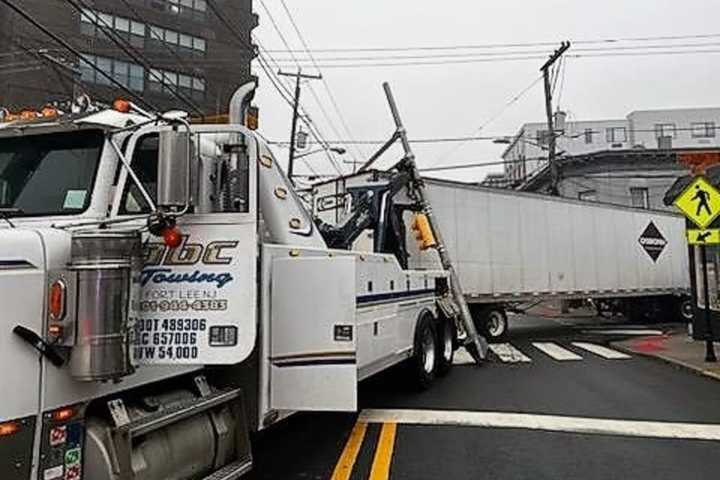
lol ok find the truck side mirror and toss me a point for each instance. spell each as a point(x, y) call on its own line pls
point(174, 177)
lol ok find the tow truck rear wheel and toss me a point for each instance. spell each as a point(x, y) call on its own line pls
point(447, 342)
point(426, 352)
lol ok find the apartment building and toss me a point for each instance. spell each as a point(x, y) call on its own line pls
point(630, 161)
point(186, 54)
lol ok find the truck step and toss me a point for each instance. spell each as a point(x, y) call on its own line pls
point(231, 472)
point(177, 413)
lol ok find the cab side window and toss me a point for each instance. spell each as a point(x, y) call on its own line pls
point(145, 165)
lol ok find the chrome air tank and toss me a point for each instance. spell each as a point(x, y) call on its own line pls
point(106, 264)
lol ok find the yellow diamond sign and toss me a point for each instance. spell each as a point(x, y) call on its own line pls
point(700, 202)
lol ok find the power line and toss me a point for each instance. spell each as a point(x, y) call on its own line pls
point(470, 55)
point(509, 45)
point(478, 138)
point(165, 45)
point(129, 50)
point(317, 100)
point(509, 59)
point(487, 122)
point(262, 61)
point(331, 96)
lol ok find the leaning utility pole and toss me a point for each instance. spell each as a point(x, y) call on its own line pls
point(296, 106)
point(552, 146)
point(475, 344)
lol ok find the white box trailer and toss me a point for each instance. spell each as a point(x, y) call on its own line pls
point(512, 247)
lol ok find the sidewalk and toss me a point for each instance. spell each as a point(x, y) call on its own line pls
point(676, 348)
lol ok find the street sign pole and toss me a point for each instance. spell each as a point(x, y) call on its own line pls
point(700, 202)
point(709, 336)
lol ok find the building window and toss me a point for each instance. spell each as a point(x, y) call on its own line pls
point(180, 41)
point(639, 197)
point(703, 130)
point(588, 196)
point(94, 23)
point(588, 135)
point(616, 135)
point(130, 75)
point(168, 82)
point(663, 130)
point(190, 8)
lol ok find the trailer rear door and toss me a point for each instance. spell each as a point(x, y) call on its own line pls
point(313, 334)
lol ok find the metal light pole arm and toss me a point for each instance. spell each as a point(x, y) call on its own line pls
point(479, 352)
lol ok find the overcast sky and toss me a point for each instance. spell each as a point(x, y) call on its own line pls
point(455, 99)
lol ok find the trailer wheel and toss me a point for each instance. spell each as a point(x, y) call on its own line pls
point(685, 309)
point(491, 321)
point(447, 341)
point(425, 360)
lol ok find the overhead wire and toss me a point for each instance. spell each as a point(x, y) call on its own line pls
point(331, 95)
point(262, 61)
point(162, 60)
point(317, 99)
point(510, 45)
point(62, 42)
point(470, 55)
point(473, 136)
point(507, 58)
point(133, 53)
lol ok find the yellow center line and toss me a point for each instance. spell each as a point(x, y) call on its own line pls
point(383, 454)
point(347, 459)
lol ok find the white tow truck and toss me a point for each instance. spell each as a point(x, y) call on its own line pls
point(165, 293)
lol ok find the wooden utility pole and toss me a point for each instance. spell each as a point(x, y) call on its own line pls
point(296, 107)
point(552, 145)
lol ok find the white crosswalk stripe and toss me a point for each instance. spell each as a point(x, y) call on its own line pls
point(556, 351)
point(462, 357)
point(508, 354)
point(602, 351)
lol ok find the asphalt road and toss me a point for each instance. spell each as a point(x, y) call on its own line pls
point(439, 433)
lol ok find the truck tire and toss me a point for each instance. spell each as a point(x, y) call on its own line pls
point(491, 321)
point(447, 342)
point(425, 359)
point(685, 309)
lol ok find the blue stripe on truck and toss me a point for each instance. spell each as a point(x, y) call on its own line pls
point(383, 297)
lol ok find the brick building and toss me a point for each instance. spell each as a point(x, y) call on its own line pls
point(181, 52)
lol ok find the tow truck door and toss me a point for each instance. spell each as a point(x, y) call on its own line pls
point(313, 361)
point(197, 302)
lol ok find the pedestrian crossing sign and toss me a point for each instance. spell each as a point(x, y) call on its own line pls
point(700, 202)
point(704, 237)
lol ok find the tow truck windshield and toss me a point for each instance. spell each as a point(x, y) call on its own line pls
point(49, 174)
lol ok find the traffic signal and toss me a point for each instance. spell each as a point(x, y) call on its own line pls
point(423, 232)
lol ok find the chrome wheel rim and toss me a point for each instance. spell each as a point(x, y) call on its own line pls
point(448, 342)
point(428, 345)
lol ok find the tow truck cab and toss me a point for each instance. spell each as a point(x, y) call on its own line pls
point(105, 328)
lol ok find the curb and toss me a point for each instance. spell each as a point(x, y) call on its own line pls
point(669, 360)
